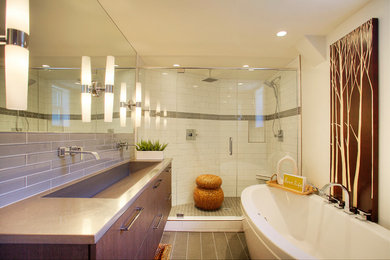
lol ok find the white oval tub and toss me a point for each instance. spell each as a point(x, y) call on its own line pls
point(281, 225)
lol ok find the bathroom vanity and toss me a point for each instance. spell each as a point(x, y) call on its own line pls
point(119, 213)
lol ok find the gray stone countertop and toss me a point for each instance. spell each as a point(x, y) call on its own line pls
point(73, 220)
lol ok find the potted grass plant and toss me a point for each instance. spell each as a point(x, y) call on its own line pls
point(148, 150)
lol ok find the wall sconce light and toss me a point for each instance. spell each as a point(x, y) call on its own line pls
point(16, 53)
point(128, 105)
point(158, 110)
point(109, 84)
point(123, 109)
point(86, 82)
point(138, 100)
point(147, 110)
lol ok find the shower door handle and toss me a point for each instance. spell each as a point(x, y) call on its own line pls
point(230, 145)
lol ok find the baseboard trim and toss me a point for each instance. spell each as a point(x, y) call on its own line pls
point(205, 224)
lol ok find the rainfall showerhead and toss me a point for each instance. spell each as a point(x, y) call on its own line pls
point(209, 79)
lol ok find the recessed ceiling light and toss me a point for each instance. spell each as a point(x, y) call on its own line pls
point(164, 73)
point(45, 66)
point(176, 65)
point(281, 33)
point(245, 66)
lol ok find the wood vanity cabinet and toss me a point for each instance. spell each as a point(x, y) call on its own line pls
point(162, 204)
point(135, 235)
point(145, 220)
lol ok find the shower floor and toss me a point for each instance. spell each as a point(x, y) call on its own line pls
point(231, 206)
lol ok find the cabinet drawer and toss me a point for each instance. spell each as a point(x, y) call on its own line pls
point(125, 237)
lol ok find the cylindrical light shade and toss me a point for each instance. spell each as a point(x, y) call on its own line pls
point(123, 95)
point(110, 70)
point(123, 110)
point(17, 15)
point(86, 107)
point(16, 77)
point(86, 78)
point(147, 118)
point(158, 115)
point(108, 106)
point(138, 92)
point(138, 116)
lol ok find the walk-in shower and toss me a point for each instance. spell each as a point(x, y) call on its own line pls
point(235, 119)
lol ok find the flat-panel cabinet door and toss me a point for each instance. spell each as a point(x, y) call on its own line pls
point(166, 192)
point(162, 202)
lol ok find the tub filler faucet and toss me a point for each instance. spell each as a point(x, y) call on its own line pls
point(323, 193)
point(73, 150)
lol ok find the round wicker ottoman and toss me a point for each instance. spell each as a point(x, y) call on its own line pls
point(208, 195)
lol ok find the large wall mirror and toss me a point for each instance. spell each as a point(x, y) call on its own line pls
point(61, 32)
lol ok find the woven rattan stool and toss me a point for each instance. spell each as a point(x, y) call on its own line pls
point(208, 195)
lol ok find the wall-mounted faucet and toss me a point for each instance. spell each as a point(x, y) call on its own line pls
point(120, 145)
point(323, 192)
point(73, 150)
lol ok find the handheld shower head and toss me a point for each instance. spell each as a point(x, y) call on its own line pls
point(269, 84)
point(272, 83)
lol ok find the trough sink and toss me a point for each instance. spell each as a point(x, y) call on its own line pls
point(111, 183)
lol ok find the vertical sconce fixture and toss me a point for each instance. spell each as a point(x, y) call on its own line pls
point(158, 110)
point(109, 91)
point(16, 53)
point(138, 104)
point(138, 100)
point(123, 108)
point(165, 118)
point(86, 82)
point(147, 109)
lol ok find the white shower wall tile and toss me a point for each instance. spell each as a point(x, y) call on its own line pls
point(209, 153)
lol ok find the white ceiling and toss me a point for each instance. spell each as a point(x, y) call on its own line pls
point(224, 32)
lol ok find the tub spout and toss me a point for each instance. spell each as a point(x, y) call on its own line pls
point(323, 191)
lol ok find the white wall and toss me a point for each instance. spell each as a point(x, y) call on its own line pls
point(316, 106)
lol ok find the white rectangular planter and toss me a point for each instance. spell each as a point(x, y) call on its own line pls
point(149, 155)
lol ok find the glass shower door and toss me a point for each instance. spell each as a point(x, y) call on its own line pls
point(268, 130)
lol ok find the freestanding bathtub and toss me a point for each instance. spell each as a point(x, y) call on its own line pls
point(281, 225)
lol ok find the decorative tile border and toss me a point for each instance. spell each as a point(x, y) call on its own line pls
point(170, 114)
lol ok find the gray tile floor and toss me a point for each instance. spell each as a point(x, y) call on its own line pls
point(206, 245)
point(230, 207)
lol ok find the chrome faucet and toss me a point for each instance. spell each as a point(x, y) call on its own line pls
point(121, 144)
point(323, 191)
point(73, 150)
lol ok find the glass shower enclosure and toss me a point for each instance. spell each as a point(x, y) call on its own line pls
point(242, 123)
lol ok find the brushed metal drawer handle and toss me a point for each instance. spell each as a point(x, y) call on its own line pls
point(159, 222)
point(157, 184)
point(137, 213)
